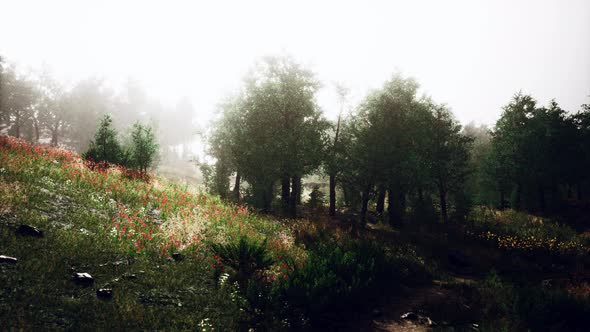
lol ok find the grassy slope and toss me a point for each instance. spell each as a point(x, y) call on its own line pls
point(112, 227)
point(124, 232)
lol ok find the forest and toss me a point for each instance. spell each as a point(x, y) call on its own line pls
point(391, 216)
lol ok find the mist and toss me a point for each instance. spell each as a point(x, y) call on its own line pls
point(295, 165)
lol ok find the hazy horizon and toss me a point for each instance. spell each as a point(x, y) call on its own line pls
point(471, 56)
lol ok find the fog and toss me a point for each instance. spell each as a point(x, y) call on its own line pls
point(471, 56)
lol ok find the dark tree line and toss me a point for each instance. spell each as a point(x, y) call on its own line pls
point(398, 154)
point(538, 156)
point(396, 148)
point(36, 107)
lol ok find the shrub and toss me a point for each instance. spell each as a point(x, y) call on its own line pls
point(105, 148)
point(247, 257)
point(316, 198)
point(143, 149)
point(335, 276)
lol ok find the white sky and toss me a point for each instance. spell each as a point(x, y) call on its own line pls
point(472, 55)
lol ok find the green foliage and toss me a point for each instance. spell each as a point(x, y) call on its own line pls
point(246, 257)
point(537, 308)
point(105, 147)
point(535, 151)
point(143, 148)
point(316, 198)
point(140, 154)
point(336, 276)
point(273, 129)
point(498, 299)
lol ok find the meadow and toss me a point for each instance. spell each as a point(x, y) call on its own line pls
point(173, 258)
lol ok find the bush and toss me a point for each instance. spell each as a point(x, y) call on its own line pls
point(105, 148)
point(316, 198)
point(143, 149)
point(247, 257)
point(335, 277)
point(497, 298)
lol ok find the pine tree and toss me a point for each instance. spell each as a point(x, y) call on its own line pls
point(105, 147)
point(143, 148)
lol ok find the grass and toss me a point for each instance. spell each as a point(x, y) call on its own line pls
point(518, 231)
point(157, 244)
point(112, 226)
point(177, 259)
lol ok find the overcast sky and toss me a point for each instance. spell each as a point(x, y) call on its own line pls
point(472, 55)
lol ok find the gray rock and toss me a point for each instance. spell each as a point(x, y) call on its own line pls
point(7, 259)
point(104, 293)
point(410, 316)
point(129, 276)
point(83, 279)
point(27, 230)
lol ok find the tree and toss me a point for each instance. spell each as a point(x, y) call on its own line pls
point(52, 109)
point(333, 161)
point(18, 98)
point(276, 129)
point(382, 148)
point(143, 149)
point(449, 157)
point(535, 150)
point(105, 147)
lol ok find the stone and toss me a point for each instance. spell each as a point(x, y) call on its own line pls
point(410, 316)
point(104, 293)
point(26, 230)
point(129, 276)
point(8, 259)
point(83, 279)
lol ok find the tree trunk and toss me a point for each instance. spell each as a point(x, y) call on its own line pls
point(332, 195)
point(333, 173)
point(381, 201)
point(365, 204)
point(236, 190)
point(393, 207)
point(285, 193)
point(421, 196)
point(443, 204)
point(299, 191)
point(542, 198)
point(267, 203)
point(402, 204)
point(36, 127)
point(295, 192)
point(517, 201)
point(17, 125)
point(54, 137)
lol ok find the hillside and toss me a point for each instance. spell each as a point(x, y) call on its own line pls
point(159, 255)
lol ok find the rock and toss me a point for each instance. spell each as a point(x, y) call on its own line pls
point(458, 259)
point(83, 279)
point(410, 316)
point(26, 230)
point(8, 259)
point(104, 293)
point(426, 321)
point(177, 256)
point(129, 276)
